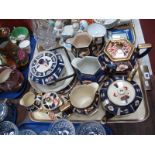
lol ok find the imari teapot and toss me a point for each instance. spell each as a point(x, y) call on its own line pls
point(123, 54)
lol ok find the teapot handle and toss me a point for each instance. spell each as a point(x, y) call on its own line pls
point(147, 48)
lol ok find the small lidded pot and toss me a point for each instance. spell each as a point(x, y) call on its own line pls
point(88, 69)
point(123, 54)
point(46, 67)
point(19, 34)
point(51, 101)
point(31, 101)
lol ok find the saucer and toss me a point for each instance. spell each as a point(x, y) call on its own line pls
point(96, 30)
point(91, 128)
point(62, 127)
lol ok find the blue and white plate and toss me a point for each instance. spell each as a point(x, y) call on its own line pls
point(62, 127)
point(91, 128)
point(46, 67)
point(8, 128)
point(27, 132)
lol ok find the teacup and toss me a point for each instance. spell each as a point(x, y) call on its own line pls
point(31, 101)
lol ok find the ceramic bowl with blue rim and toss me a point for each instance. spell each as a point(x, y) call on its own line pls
point(120, 97)
point(91, 128)
point(27, 132)
point(62, 127)
point(8, 128)
point(46, 67)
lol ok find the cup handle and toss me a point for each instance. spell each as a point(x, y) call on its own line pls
point(147, 48)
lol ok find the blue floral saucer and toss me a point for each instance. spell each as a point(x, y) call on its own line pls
point(62, 127)
point(91, 128)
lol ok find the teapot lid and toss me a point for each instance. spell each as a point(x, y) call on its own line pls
point(119, 50)
point(119, 96)
point(121, 92)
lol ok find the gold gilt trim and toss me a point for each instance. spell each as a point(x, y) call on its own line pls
point(119, 59)
point(144, 46)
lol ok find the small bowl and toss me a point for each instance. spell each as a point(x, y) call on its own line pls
point(62, 127)
point(27, 132)
point(19, 33)
point(8, 128)
point(91, 128)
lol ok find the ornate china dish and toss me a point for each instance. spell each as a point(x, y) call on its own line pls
point(120, 97)
point(46, 67)
point(51, 101)
point(69, 71)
